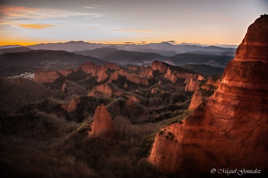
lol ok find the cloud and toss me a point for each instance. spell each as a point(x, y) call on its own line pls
point(35, 26)
point(20, 12)
point(89, 7)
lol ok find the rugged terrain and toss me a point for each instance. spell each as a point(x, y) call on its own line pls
point(149, 110)
point(230, 128)
point(94, 120)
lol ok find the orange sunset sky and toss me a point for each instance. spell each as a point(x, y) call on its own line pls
point(27, 22)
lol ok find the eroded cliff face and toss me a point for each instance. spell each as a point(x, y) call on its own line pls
point(102, 125)
point(196, 100)
point(230, 130)
point(192, 84)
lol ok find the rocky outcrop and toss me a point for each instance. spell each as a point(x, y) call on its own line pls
point(173, 73)
point(132, 100)
point(159, 66)
point(65, 72)
point(46, 76)
point(134, 78)
point(171, 76)
point(102, 125)
point(230, 130)
point(196, 100)
point(103, 89)
point(146, 72)
point(50, 76)
point(100, 72)
point(201, 92)
point(191, 84)
point(72, 105)
point(89, 68)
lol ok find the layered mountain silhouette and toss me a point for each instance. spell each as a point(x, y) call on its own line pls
point(163, 48)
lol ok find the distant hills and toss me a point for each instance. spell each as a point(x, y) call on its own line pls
point(14, 49)
point(163, 48)
point(193, 58)
point(18, 59)
point(122, 57)
point(29, 61)
point(206, 70)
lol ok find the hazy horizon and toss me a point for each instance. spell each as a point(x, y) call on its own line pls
point(124, 43)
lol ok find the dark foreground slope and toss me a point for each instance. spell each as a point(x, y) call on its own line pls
point(46, 124)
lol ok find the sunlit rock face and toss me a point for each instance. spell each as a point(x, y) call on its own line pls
point(103, 89)
point(231, 129)
point(102, 125)
point(196, 100)
point(72, 105)
point(100, 72)
point(166, 152)
point(50, 76)
point(159, 66)
point(46, 76)
point(191, 84)
point(173, 75)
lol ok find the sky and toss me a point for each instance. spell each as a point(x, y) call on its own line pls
point(28, 22)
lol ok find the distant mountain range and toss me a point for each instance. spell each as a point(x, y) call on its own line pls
point(163, 48)
point(193, 58)
point(18, 59)
point(123, 57)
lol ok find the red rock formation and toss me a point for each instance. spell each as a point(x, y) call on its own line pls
point(132, 100)
point(132, 77)
point(102, 123)
point(99, 71)
point(146, 72)
point(103, 89)
point(72, 105)
point(133, 68)
point(192, 84)
point(46, 76)
point(231, 130)
point(165, 153)
point(154, 91)
point(102, 74)
point(159, 66)
point(64, 87)
point(210, 84)
point(171, 76)
point(196, 100)
point(65, 72)
point(112, 66)
point(174, 75)
point(89, 68)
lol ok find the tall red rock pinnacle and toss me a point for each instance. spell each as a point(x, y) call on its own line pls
point(102, 123)
point(231, 130)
